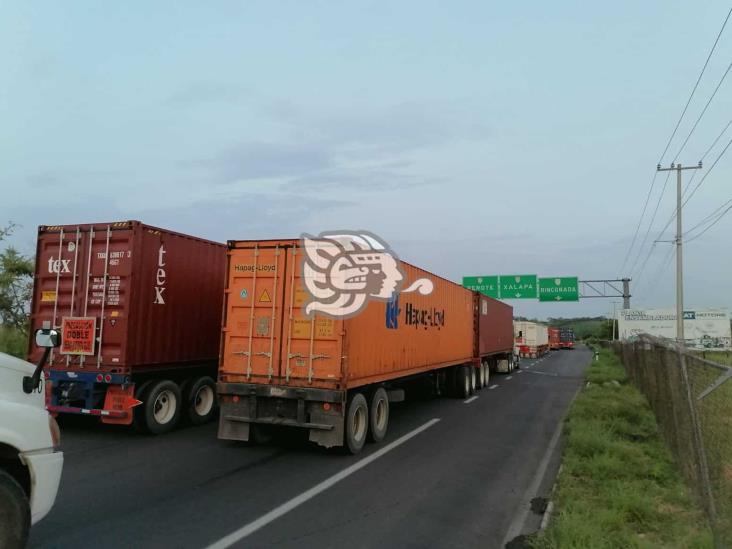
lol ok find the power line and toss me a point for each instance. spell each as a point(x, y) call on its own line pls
point(693, 176)
point(712, 224)
point(704, 110)
point(709, 217)
point(691, 95)
point(670, 139)
point(706, 174)
point(650, 225)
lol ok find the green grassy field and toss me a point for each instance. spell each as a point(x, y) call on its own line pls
point(619, 486)
point(13, 341)
point(721, 357)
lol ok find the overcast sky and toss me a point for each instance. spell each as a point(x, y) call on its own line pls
point(474, 137)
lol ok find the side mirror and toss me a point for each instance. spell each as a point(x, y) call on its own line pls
point(48, 338)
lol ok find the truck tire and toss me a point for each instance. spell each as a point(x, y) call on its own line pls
point(357, 423)
point(462, 381)
point(138, 412)
point(473, 379)
point(378, 415)
point(200, 400)
point(481, 376)
point(15, 514)
point(486, 373)
point(162, 406)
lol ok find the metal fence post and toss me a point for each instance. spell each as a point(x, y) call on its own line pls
point(701, 455)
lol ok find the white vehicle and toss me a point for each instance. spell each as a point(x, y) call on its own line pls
point(30, 462)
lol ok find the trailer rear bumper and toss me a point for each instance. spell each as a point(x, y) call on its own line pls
point(320, 411)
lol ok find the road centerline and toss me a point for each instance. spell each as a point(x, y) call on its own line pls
point(307, 495)
point(493, 386)
point(469, 400)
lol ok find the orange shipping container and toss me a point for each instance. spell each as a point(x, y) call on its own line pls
point(280, 367)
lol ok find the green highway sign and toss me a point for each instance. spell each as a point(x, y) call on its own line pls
point(487, 285)
point(518, 287)
point(559, 289)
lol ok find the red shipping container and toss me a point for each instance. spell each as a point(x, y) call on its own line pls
point(554, 338)
point(495, 323)
point(130, 299)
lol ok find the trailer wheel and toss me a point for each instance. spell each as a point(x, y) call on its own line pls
point(462, 381)
point(15, 514)
point(357, 423)
point(481, 376)
point(487, 368)
point(473, 379)
point(201, 400)
point(162, 407)
point(138, 412)
point(378, 415)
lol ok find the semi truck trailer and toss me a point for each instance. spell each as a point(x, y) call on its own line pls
point(531, 339)
point(336, 377)
point(139, 310)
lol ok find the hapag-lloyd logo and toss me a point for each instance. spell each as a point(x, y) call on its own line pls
point(344, 270)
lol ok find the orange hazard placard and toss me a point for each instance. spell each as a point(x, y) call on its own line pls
point(77, 335)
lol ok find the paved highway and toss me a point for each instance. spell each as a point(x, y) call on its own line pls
point(451, 473)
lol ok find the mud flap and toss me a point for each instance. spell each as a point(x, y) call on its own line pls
point(233, 424)
point(327, 437)
point(120, 398)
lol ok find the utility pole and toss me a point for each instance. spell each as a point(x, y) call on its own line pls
point(679, 258)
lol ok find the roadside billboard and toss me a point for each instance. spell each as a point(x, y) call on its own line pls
point(703, 329)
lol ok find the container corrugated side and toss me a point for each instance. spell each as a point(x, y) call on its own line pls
point(155, 295)
point(495, 326)
point(268, 340)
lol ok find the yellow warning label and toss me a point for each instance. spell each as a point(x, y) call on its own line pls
point(264, 298)
point(48, 296)
point(114, 314)
point(301, 328)
point(301, 296)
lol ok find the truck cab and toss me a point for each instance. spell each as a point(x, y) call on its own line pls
point(30, 459)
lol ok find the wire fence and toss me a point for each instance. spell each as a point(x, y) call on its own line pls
point(691, 396)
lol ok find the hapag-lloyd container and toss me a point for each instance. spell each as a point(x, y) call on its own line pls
point(134, 303)
point(280, 367)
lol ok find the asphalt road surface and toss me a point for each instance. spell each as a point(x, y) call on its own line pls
point(451, 473)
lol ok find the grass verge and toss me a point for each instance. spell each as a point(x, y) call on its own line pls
point(619, 486)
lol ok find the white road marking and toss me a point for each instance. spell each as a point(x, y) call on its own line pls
point(508, 377)
point(493, 386)
point(469, 400)
point(520, 372)
point(277, 512)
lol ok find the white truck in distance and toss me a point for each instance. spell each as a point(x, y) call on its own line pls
point(30, 462)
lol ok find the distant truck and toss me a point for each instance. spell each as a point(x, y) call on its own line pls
point(531, 339)
point(336, 378)
point(566, 338)
point(555, 341)
point(139, 311)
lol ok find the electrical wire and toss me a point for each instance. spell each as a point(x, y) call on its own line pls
point(673, 134)
point(712, 224)
point(693, 176)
